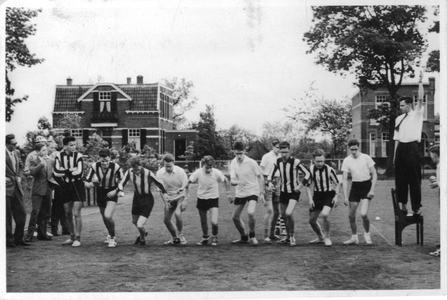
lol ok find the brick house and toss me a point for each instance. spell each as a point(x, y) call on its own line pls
point(123, 113)
point(373, 138)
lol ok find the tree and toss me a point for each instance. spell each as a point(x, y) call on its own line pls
point(70, 121)
point(379, 44)
point(183, 101)
point(43, 123)
point(433, 62)
point(282, 130)
point(17, 52)
point(209, 141)
point(237, 133)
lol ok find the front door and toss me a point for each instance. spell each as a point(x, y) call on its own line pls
point(179, 148)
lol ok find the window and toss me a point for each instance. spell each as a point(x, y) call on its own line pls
point(134, 137)
point(424, 104)
point(105, 101)
point(382, 100)
point(372, 144)
point(385, 140)
point(77, 134)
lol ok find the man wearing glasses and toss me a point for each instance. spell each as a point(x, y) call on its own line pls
point(14, 193)
point(364, 178)
point(246, 175)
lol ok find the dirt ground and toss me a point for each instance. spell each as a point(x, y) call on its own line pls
point(47, 266)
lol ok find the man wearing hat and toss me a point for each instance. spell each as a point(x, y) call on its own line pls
point(271, 198)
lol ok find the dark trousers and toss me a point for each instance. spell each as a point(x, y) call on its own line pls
point(408, 174)
point(40, 214)
point(15, 209)
point(58, 212)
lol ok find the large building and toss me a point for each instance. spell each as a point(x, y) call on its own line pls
point(123, 113)
point(373, 138)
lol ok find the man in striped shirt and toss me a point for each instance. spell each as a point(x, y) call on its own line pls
point(107, 174)
point(288, 169)
point(324, 196)
point(69, 167)
point(143, 200)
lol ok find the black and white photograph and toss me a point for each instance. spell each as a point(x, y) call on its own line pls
point(204, 149)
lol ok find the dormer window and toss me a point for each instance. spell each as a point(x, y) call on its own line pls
point(105, 101)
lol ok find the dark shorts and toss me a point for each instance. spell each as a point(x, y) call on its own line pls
point(242, 201)
point(359, 190)
point(284, 198)
point(206, 204)
point(142, 205)
point(101, 196)
point(73, 191)
point(322, 199)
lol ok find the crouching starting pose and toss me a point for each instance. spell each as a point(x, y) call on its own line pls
point(143, 200)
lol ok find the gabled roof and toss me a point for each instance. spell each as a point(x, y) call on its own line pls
point(142, 97)
point(100, 86)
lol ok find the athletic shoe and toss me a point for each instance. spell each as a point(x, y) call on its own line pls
point(76, 244)
point(35, 234)
point(284, 241)
point(436, 253)
point(284, 232)
point(203, 241)
point(142, 243)
point(274, 237)
point(112, 243)
point(108, 239)
point(173, 241)
point(292, 241)
point(49, 234)
point(253, 241)
point(267, 240)
point(182, 240)
point(353, 240)
point(214, 241)
point(367, 236)
point(68, 242)
point(317, 241)
point(239, 241)
point(327, 242)
point(137, 241)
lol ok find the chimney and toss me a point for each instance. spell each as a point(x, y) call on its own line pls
point(139, 79)
point(69, 81)
point(129, 80)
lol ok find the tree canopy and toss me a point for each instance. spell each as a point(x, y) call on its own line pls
point(183, 100)
point(18, 29)
point(380, 45)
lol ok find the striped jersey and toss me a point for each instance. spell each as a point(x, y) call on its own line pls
point(323, 178)
point(108, 178)
point(63, 162)
point(289, 173)
point(142, 182)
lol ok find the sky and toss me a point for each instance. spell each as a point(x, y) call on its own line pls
point(245, 57)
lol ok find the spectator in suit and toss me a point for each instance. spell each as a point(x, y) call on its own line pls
point(14, 201)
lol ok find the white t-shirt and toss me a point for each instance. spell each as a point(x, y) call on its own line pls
point(247, 172)
point(267, 162)
point(208, 183)
point(173, 181)
point(358, 167)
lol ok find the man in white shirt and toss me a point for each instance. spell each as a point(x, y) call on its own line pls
point(407, 160)
point(173, 179)
point(246, 175)
point(364, 178)
point(271, 198)
point(208, 179)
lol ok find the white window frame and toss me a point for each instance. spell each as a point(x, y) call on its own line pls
point(382, 99)
point(77, 133)
point(134, 135)
point(372, 145)
point(385, 143)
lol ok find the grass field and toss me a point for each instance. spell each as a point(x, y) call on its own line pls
point(337, 270)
